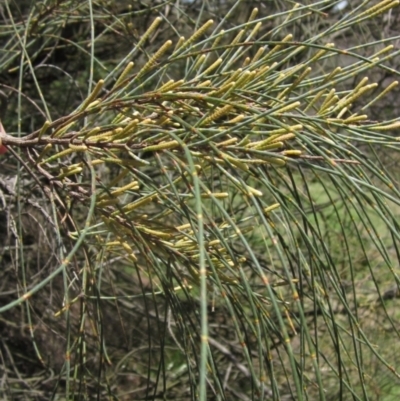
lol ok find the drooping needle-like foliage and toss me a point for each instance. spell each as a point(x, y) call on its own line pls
point(239, 171)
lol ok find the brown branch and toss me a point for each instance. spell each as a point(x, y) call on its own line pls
point(25, 142)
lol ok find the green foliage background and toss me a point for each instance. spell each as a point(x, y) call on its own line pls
point(200, 201)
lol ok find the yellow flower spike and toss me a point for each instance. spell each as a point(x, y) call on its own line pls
point(105, 136)
point(354, 96)
point(58, 155)
point(96, 162)
point(355, 118)
point(271, 208)
point(321, 53)
point(328, 98)
point(218, 39)
point(228, 142)
point(164, 87)
point(328, 105)
point(314, 100)
point(217, 195)
point(164, 120)
point(161, 146)
point(93, 95)
point(265, 70)
point(124, 74)
point(331, 75)
point(58, 133)
point(257, 56)
point(171, 86)
point(244, 78)
point(236, 119)
point(183, 227)
point(156, 233)
point(378, 9)
point(361, 84)
point(253, 15)
point(295, 83)
point(245, 141)
point(383, 51)
point(118, 192)
point(120, 133)
point(271, 141)
point(286, 108)
point(262, 71)
point(279, 162)
point(234, 76)
point(220, 112)
point(153, 60)
point(335, 120)
point(253, 191)
point(93, 104)
point(69, 172)
point(140, 202)
point(288, 73)
point(183, 245)
point(200, 61)
point(204, 84)
point(285, 130)
point(223, 90)
point(291, 13)
point(77, 148)
point(197, 34)
point(128, 249)
point(72, 166)
point(112, 244)
point(284, 138)
point(238, 37)
point(146, 121)
point(301, 77)
point(383, 93)
point(149, 31)
point(122, 116)
point(128, 128)
point(179, 43)
point(342, 113)
point(214, 242)
point(268, 146)
point(107, 202)
point(292, 152)
point(389, 127)
point(212, 67)
point(92, 132)
point(278, 47)
point(254, 31)
point(236, 162)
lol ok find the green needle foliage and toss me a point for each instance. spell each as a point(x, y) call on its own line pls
point(217, 218)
